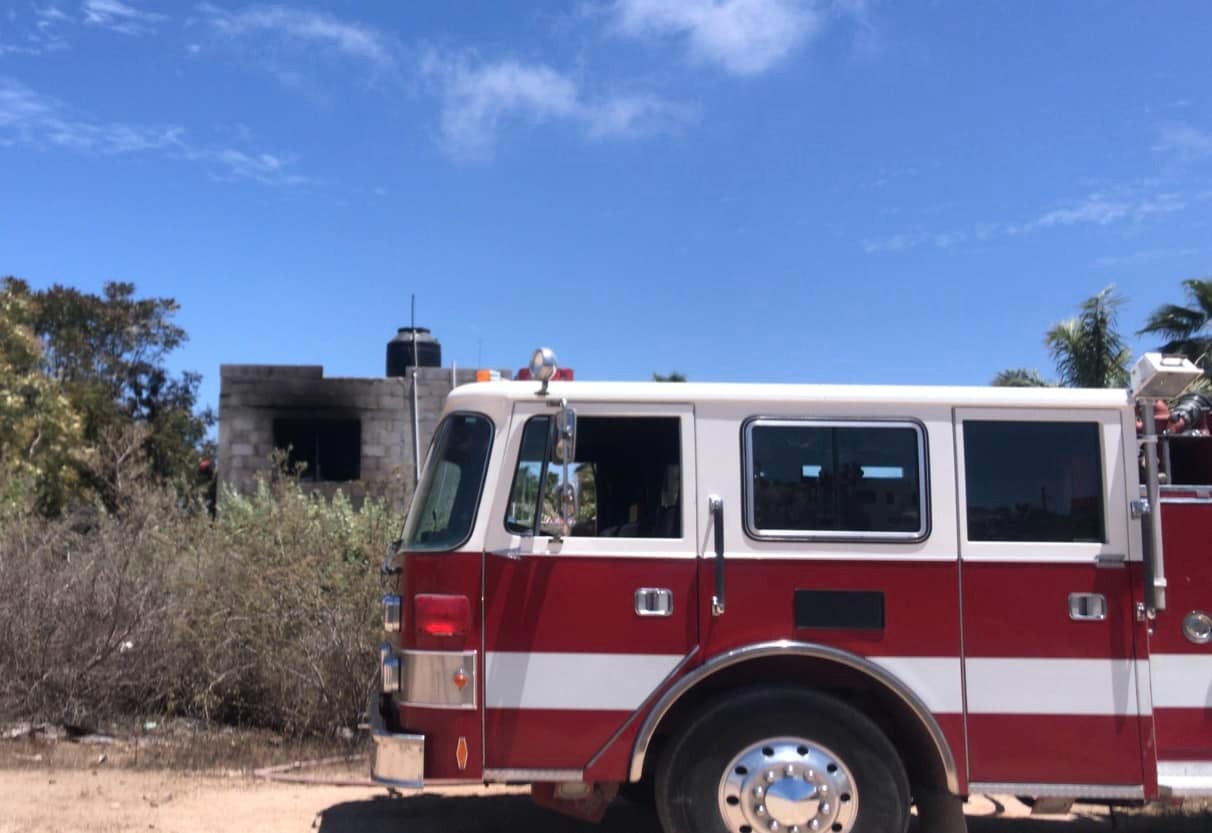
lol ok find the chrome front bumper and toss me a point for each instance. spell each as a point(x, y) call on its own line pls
point(397, 760)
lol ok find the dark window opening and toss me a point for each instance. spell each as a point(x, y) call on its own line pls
point(830, 479)
point(1034, 481)
point(329, 449)
point(627, 475)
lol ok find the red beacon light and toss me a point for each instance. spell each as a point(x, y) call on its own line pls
point(562, 374)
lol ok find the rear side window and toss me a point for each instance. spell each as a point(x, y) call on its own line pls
point(848, 480)
point(1034, 481)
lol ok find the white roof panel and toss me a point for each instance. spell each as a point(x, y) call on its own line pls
point(705, 392)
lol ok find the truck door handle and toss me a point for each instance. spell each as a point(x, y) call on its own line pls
point(1087, 607)
point(654, 601)
point(715, 504)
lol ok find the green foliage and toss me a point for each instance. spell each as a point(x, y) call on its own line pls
point(1021, 377)
point(1187, 330)
point(1088, 349)
point(42, 445)
point(672, 376)
point(101, 358)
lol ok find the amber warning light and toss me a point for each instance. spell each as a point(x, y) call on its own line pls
point(442, 615)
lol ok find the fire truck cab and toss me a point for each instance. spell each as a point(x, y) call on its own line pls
point(805, 607)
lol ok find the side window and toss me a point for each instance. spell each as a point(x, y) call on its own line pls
point(812, 479)
point(1034, 481)
point(525, 492)
point(627, 475)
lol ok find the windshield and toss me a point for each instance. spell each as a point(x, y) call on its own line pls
point(444, 508)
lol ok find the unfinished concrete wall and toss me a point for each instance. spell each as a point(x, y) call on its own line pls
point(252, 397)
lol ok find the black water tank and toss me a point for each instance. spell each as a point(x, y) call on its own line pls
point(399, 351)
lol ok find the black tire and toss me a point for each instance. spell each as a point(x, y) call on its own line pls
point(639, 793)
point(690, 773)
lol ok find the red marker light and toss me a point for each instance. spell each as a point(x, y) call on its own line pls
point(442, 615)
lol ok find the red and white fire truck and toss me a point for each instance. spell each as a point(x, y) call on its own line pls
point(803, 607)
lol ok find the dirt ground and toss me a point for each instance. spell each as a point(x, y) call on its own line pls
point(107, 801)
point(107, 788)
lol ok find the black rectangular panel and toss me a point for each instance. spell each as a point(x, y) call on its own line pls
point(862, 609)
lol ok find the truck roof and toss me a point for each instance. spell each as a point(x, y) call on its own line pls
point(733, 392)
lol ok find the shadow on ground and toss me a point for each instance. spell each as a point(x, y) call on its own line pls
point(470, 814)
point(499, 814)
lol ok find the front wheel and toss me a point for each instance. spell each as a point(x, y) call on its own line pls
point(784, 760)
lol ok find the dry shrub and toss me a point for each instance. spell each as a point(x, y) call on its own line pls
point(264, 616)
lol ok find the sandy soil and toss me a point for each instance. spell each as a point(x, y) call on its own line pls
point(43, 799)
point(181, 780)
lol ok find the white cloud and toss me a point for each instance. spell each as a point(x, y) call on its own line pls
point(304, 28)
point(33, 120)
point(1094, 208)
point(900, 242)
point(479, 98)
point(745, 37)
point(49, 15)
point(1183, 141)
point(1166, 203)
point(118, 17)
point(1142, 256)
point(265, 168)
point(20, 106)
point(630, 116)
point(1133, 202)
point(43, 37)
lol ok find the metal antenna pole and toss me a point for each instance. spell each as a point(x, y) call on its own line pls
point(416, 416)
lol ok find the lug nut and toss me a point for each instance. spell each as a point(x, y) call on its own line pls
point(760, 809)
point(770, 776)
point(774, 825)
point(790, 770)
point(759, 791)
point(815, 824)
point(825, 808)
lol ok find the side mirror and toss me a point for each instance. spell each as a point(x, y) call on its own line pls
point(564, 453)
point(568, 505)
point(564, 444)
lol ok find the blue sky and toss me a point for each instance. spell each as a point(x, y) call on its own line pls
point(767, 190)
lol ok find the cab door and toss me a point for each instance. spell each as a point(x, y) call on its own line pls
point(1050, 566)
point(582, 629)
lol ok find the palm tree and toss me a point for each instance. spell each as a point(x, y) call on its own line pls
point(1189, 329)
point(1088, 350)
point(1021, 377)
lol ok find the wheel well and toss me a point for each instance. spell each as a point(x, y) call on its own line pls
point(887, 709)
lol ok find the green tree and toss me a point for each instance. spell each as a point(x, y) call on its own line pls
point(1088, 349)
point(672, 376)
point(108, 354)
point(1021, 377)
point(1187, 330)
point(42, 448)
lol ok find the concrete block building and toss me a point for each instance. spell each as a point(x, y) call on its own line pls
point(353, 434)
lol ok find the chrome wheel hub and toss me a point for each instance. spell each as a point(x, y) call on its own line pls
point(787, 784)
